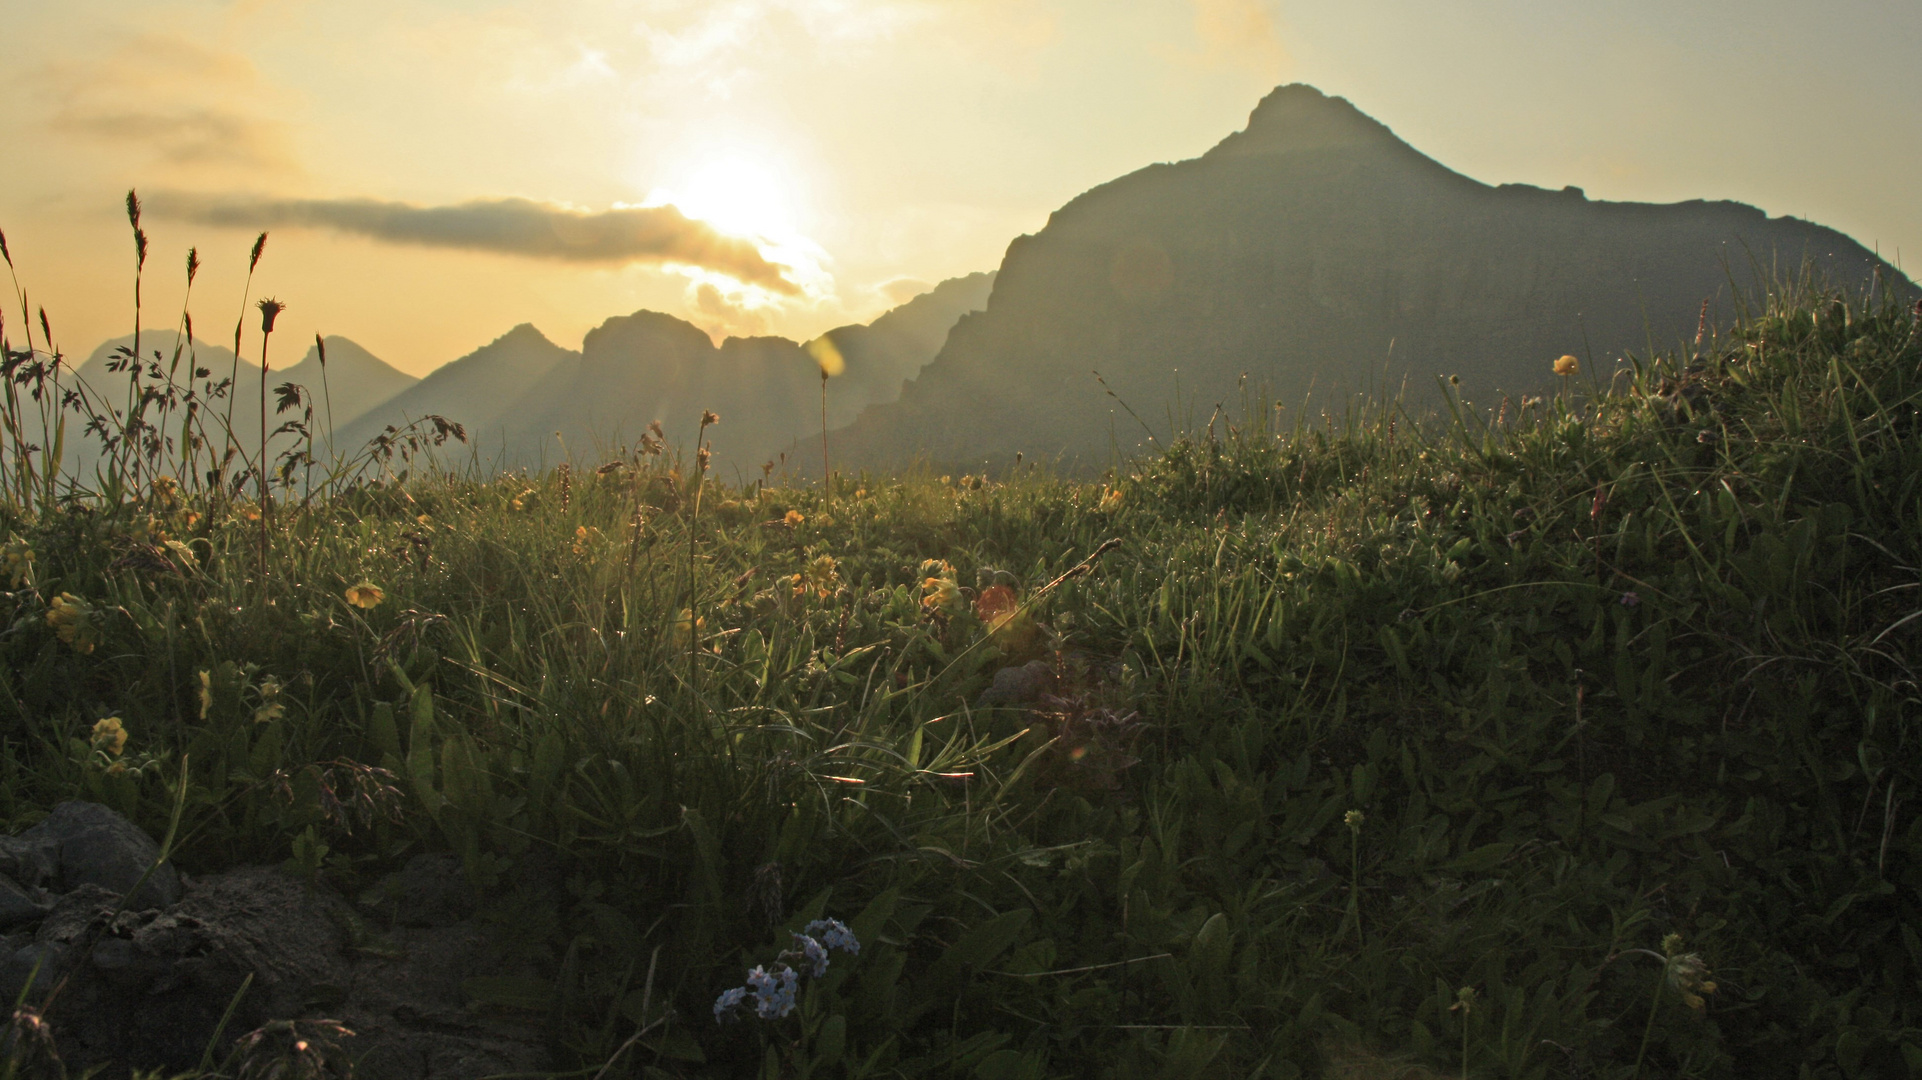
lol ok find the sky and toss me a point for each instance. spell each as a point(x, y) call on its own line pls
point(434, 172)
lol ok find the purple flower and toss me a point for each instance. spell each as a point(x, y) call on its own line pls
point(1631, 599)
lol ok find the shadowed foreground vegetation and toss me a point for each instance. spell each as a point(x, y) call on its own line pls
point(1567, 738)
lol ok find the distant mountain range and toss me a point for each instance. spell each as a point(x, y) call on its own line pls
point(356, 380)
point(1316, 252)
point(526, 401)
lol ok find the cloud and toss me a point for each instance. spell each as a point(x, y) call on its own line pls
point(173, 97)
point(502, 226)
point(1243, 31)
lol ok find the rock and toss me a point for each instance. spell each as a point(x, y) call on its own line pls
point(20, 905)
point(1018, 685)
point(83, 843)
point(431, 890)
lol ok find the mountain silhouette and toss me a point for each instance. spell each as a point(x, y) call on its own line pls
point(526, 401)
point(356, 379)
point(486, 391)
point(1318, 255)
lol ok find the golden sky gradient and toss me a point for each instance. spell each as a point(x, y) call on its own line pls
point(417, 159)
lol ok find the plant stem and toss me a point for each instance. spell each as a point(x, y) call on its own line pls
point(1649, 1028)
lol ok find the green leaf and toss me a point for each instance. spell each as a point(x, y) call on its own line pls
point(981, 945)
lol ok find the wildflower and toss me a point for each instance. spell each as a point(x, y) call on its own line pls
point(1110, 501)
point(270, 707)
point(709, 419)
point(1353, 820)
point(822, 576)
point(1567, 366)
point(585, 537)
point(1687, 973)
point(814, 953)
point(773, 991)
point(206, 693)
point(729, 1000)
point(72, 622)
point(793, 519)
point(1631, 599)
point(110, 735)
point(270, 309)
point(365, 596)
point(686, 629)
point(19, 559)
point(835, 935)
point(939, 592)
point(1464, 1001)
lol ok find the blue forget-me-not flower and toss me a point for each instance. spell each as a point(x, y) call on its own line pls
point(774, 991)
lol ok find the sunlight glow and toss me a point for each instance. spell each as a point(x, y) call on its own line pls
point(735, 193)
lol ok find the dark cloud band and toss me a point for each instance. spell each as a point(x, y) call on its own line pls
point(505, 226)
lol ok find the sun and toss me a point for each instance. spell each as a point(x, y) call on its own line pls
point(735, 193)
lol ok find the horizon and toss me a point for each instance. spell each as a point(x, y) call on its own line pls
point(783, 167)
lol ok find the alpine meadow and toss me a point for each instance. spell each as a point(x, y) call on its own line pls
point(1306, 614)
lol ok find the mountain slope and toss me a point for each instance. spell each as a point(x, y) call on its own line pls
point(356, 381)
point(1314, 250)
point(486, 390)
point(525, 400)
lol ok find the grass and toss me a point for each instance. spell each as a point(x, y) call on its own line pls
point(1467, 747)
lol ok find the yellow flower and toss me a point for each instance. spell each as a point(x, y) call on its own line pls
point(1687, 973)
point(110, 735)
point(19, 557)
point(585, 538)
point(686, 627)
point(1110, 501)
point(72, 622)
point(1568, 365)
point(206, 693)
point(1353, 820)
point(939, 590)
point(365, 596)
point(793, 519)
point(823, 576)
point(270, 707)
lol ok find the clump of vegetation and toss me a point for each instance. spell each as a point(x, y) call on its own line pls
point(1574, 737)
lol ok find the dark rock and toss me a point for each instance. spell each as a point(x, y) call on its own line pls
point(83, 843)
point(1018, 685)
point(20, 905)
point(431, 890)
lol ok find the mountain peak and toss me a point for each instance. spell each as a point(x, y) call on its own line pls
point(1298, 117)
